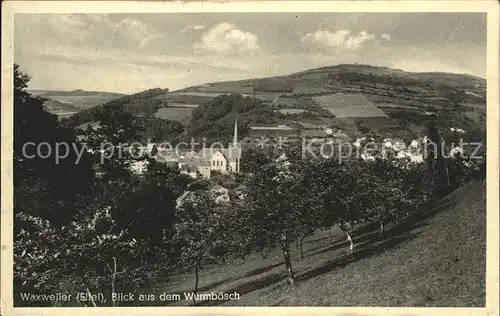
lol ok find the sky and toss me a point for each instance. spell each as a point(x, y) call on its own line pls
point(129, 53)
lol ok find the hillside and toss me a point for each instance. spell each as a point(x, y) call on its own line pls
point(143, 105)
point(80, 99)
point(318, 77)
point(62, 110)
point(363, 99)
point(406, 97)
point(435, 257)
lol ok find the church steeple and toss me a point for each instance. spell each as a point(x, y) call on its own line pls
point(235, 135)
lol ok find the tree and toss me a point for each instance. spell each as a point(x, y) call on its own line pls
point(199, 233)
point(303, 193)
point(271, 212)
point(384, 182)
point(342, 195)
point(49, 182)
point(89, 251)
point(252, 160)
point(111, 142)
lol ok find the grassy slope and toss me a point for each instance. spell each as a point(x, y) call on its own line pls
point(349, 78)
point(315, 76)
point(435, 259)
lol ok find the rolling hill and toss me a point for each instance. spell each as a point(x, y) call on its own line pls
point(392, 102)
point(80, 99)
point(143, 105)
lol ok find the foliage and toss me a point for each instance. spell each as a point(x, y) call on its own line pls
point(58, 232)
point(271, 211)
point(160, 130)
point(140, 108)
point(214, 120)
point(45, 186)
point(86, 249)
point(116, 232)
point(252, 160)
point(200, 233)
point(273, 86)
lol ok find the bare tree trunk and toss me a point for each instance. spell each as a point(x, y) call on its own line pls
point(113, 280)
point(196, 270)
point(90, 296)
point(288, 264)
point(349, 239)
point(80, 273)
point(351, 243)
point(301, 241)
point(447, 173)
point(115, 303)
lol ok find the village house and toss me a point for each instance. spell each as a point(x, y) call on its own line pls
point(206, 160)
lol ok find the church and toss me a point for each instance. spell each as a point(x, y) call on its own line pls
point(213, 159)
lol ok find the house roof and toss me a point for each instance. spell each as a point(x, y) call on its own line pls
point(241, 187)
point(193, 165)
point(190, 194)
point(283, 157)
point(166, 153)
point(93, 124)
point(181, 198)
point(231, 154)
point(218, 187)
point(313, 133)
point(267, 128)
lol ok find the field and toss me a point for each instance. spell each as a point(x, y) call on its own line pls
point(174, 114)
point(225, 88)
point(292, 111)
point(309, 125)
point(435, 257)
point(181, 105)
point(81, 99)
point(310, 90)
point(347, 106)
point(63, 114)
point(187, 97)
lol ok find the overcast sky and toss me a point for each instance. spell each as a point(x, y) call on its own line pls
point(133, 52)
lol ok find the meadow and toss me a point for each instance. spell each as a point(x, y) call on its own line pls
point(174, 114)
point(349, 106)
point(434, 257)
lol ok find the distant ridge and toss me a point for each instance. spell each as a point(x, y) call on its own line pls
point(71, 92)
point(444, 78)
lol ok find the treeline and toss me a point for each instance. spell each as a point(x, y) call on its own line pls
point(452, 88)
point(141, 104)
point(214, 120)
point(52, 104)
point(75, 232)
point(275, 85)
point(79, 92)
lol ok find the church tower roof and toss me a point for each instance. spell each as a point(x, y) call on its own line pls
point(235, 135)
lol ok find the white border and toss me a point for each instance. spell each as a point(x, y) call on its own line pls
point(490, 7)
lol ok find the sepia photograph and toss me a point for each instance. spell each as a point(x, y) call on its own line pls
point(202, 155)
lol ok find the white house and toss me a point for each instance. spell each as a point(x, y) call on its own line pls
point(206, 160)
point(224, 160)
